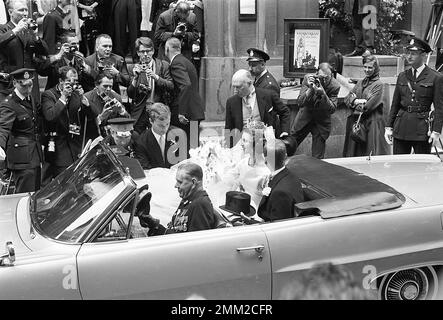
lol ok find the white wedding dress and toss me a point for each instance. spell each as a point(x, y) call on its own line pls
point(226, 170)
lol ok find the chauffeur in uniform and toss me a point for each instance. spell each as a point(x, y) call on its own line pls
point(122, 137)
point(415, 91)
point(20, 133)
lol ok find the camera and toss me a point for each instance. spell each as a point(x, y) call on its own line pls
point(32, 24)
point(74, 129)
point(4, 77)
point(316, 80)
point(182, 27)
point(73, 49)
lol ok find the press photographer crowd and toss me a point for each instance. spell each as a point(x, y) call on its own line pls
point(82, 55)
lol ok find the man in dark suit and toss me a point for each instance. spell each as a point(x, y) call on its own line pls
point(64, 108)
point(283, 189)
point(105, 104)
point(153, 148)
point(53, 25)
point(67, 56)
point(317, 101)
point(157, 8)
point(179, 23)
point(104, 59)
point(20, 133)
point(151, 82)
point(18, 45)
point(250, 103)
point(187, 110)
point(416, 89)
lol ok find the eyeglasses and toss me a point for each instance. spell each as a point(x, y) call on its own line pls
point(145, 51)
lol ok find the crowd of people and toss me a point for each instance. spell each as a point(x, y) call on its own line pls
point(42, 135)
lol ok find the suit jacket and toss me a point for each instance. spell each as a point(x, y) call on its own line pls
point(267, 81)
point(20, 129)
point(188, 101)
point(166, 24)
point(267, 102)
point(17, 51)
point(428, 89)
point(58, 116)
point(53, 28)
point(286, 190)
point(163, 87)
point(317, 108)
point(148, 152)
point(119, 63)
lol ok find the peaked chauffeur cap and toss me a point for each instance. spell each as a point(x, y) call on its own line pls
point(416, 44)
point(257, 55)
point(23, 74)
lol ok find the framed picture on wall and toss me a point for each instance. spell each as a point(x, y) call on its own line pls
point(306, 45)
point(247, 9)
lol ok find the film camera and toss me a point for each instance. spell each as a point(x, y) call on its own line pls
point(182, 27)
point(32, 24)
point(316, 80)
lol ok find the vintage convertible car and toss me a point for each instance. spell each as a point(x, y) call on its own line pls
point(77, 238)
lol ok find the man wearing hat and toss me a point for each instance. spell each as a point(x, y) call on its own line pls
point(283, 188)
point(264, 79)
point(195, 211)
point(416, 90)
point(122, 136)
point(20, 133)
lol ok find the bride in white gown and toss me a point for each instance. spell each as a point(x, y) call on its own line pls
point(241, 168)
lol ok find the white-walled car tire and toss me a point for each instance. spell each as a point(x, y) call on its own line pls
point(409, 284)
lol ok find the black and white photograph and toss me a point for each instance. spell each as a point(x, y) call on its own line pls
point(221, 156)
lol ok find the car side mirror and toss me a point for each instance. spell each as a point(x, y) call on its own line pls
point(8, 259)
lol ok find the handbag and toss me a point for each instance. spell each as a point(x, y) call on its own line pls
point(359, 131)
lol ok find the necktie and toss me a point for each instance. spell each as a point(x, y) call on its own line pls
point(415, 74)
point(161, 142)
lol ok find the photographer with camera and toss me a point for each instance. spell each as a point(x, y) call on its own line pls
point(105, 104)
point(151, 83)
point(68, 55)
point(53, 25)
point(19, 43)
point(104, 60)
point(178, 22)
point(65, 109)
point(317, 101)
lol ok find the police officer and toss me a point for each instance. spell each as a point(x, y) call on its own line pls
point(264, 79)
point(416, 89)
point(20, 133)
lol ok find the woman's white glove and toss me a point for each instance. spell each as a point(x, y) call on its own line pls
point(388, 135)
point(2, 154)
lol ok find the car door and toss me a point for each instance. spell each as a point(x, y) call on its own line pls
point(372, 245)
point(228, 263)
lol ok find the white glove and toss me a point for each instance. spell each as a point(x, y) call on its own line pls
point(2, 154)
point(435, 136)
point(388, 135)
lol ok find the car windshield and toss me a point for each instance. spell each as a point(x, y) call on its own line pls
point(67, 206)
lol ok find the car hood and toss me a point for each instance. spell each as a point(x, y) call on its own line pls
point(8, 223)
point(418, 177)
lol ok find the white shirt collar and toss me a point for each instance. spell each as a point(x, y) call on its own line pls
point(419, 70)
point(172, 59)
point(157, 136)
point(276, 172)
point(22, 97)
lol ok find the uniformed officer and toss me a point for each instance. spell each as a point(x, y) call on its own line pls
point(20, 133)
point(264, 79)
point(257, 66)
point(122, 136)
point(415, 91)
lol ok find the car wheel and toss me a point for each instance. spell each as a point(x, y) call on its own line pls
point(410, 284)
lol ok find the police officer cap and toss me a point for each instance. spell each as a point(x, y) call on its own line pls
point(121, 121)
point(23, 74)
point(417, 44)
point(257, 55)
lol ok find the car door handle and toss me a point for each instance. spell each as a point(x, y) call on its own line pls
point(259, 248)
